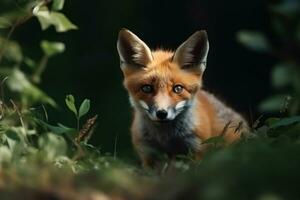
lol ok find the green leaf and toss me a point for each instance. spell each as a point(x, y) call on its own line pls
point(30, 62)
point(4, 23)
point(29, 93)
point(5, 154)
point(273, 104)
point(58, 5)
point(59, 129)
point(55, 129)
point(84, 107)
point(16, 136)
point(254, 40)
point(271, 121)
point(58, 20)
point(52, 146)
point(287, 8)
point(286, 122)
point(62, 23)
point(52, 48)
point(43, 15)
point(13, 51)
point(12, 139)
point(70, 131)
point(70, 101)
point(282, 75)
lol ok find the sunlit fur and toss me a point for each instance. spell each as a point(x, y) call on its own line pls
point(195, 115)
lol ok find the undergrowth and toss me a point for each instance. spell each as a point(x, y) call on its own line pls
point(40, 160)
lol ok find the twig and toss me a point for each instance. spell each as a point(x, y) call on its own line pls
point(1, 110)
point(45, 112)
point(84, 134)
point(20, 117)
point(80, 153)
point(256, 122)
point(36, 77)
point(18, 22)
point(2, 90)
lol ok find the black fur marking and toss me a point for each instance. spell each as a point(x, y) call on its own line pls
point(176, 145)
point(173, 138)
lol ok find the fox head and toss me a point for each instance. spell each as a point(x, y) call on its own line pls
point(162, 84)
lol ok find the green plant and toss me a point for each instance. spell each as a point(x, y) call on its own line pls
point(83, 109)
point(20, 73)
point(283, 45)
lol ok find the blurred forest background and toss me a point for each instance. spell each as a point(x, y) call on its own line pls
point(90, 66)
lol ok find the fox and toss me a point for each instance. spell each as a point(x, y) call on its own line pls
point(172, 113)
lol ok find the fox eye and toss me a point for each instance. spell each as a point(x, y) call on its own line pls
point(178, 89)
point(147, 88)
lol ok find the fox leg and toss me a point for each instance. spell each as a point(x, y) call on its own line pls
point(146, 153)
point(148, 156)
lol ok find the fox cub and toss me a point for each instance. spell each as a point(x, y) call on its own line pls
point(172, 114)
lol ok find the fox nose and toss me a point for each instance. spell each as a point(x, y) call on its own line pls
point(161, 114)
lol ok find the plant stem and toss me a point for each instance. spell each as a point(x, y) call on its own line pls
point(12, 29)
point(24, 126)
point(2, 97)
point(36, 77)
point(78, 124)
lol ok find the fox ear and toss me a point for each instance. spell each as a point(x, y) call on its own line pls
point(192, 54)
point(132, 50)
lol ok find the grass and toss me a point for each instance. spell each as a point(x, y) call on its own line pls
point(43, 161)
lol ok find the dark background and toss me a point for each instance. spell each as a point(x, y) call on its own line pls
point(90, 66)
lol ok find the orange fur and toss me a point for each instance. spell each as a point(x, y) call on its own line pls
point(209, 116)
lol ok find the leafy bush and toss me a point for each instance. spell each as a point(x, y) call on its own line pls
point(283, 44)
point(23, 87)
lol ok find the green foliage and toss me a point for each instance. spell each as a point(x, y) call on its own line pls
point(290, 121)
point(70, 101)
point(75, 135)
point(52, 48)
point(254, 40)
point(29, 93)
point(60, 129)
point(263, 160)
point(84, 108)
point(13, 52)
point(58, 5)
point(52, 146)
point(24, 134)
point(275, 103)
point(23, 86)
point(57, 19)
point(4, 23)
point(285, 19)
